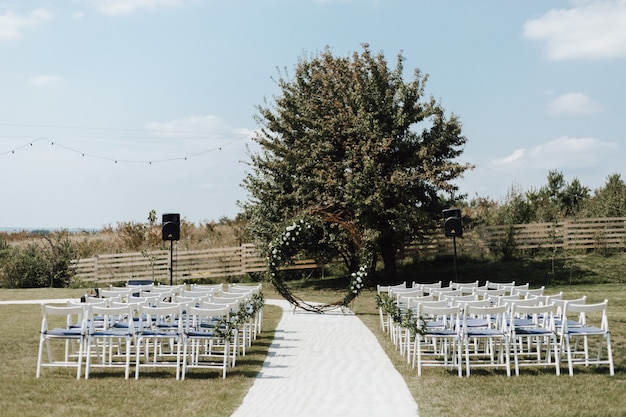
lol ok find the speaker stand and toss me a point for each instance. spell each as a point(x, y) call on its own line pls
point(456, 275)
point(171, 262)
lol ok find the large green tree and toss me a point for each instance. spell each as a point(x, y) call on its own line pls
point(349, 137)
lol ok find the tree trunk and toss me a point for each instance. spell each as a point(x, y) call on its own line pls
point(388, 254)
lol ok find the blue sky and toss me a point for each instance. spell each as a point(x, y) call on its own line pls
point(112, 108)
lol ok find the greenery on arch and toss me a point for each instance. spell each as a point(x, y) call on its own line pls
point(311, 236)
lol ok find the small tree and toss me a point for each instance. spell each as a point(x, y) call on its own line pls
point(610, 200)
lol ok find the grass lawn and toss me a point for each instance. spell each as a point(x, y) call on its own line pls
point(106, 393)
point(591, 392)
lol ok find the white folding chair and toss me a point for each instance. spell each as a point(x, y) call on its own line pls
point(592, 324)
point(440, 343)
point(206, 342)
point(534, 341)
point(111, 330)
point(159, 338)
point(489, 343)
point(66, 325)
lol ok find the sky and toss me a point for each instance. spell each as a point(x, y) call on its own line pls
point(112, 108)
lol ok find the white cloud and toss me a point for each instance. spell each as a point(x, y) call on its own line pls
point(575, 103)
point(516, 156)
point(560, 153)
point(590, 30)
point(12, 26)
point(126, 7)
point(45, 81)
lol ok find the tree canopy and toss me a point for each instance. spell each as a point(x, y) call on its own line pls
point(347, 136)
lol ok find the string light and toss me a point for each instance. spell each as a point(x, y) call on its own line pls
point(116, 160)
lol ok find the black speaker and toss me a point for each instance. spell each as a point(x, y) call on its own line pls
point(171, 226)
point(452, 225)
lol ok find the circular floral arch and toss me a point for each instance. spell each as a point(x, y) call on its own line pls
point(298, 237)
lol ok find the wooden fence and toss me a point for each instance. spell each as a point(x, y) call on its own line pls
point(583, 234)
point(155, 265)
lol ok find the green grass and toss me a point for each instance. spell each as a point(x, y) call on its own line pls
point(58, 393)
point(591, 392)
point(536, 392)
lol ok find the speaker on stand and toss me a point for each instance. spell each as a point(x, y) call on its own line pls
point(170, 230)
point(453, 227)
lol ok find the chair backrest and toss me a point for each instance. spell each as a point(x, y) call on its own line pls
point(215, 288)
point(513, 289)
point(161, 316)
point(139, 287)
point(403, 295)
point(583, 311)
point(235, 296)
point(206, 293)
point(112, 316)
point(72, 316)
point(483, 292)
point(428, 288)
point(520, 302)
point(502, 300)
point(560, 303)
point(547, 299)
point(450, 315)
point(188, 301)
point(199, 317)
point(453, 299)
point(456, 285)
point(494, 316)
point(441, 292)
point(541, 315)
point(246, 289)
point(393, 292)
point(532, 292)
point(474, 303)
point(412, 302)
point(231, 306)
point(176, 288)
point(499, 285)
point(119, 293)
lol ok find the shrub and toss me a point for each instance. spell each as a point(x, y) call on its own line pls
point(36, 265)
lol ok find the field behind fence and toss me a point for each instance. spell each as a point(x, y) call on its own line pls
point(580, 234)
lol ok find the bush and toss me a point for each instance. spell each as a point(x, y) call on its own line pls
point(34, 265)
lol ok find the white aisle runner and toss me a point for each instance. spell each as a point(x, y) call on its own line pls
point(326, 365)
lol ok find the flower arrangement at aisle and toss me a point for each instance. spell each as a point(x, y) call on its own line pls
point(294, 240)
point(405, 319)
point(358, 279)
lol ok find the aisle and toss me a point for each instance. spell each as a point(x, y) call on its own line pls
point(326, 365)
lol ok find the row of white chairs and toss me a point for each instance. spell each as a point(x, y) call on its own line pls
point(159, 330)
point(489, 330)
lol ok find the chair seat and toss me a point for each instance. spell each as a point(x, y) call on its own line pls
point(435, 324)
point(112, 332)
point(485, 332)
point(193, 333)
point(441, 332)
point(476, 323)
point(158, 333)
point(533, 331)
point(62, 332)
point(523, 323)
point(582, 331)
